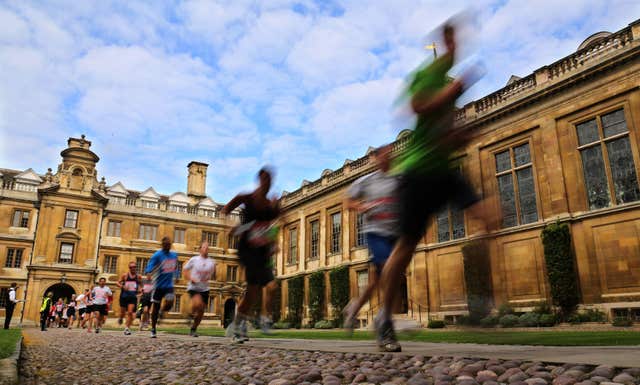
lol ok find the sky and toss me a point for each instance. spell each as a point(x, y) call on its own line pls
point(298, 85)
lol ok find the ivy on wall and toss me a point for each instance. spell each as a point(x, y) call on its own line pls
point(296, 298)
point(558, 256)
point(477, 278)
point(316, 296)
point(339, 280)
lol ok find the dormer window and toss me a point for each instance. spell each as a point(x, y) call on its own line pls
point(178, 208)
point(149, 204)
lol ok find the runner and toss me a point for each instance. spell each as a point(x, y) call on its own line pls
point(59, 311)
point(71, 311)
point(89, 313)
point(429, 180)
point(374, 195)
point(255, 249)
point(81, 302)
point(44, 310)
point(145, 301)
point(198, 271)
point(100, 296)
point(130, 285)
point(163, 266)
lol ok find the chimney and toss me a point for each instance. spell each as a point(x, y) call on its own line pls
point(197, 179)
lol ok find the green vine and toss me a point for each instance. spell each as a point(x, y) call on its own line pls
point(296, 298)
point(316, 296)
point(558, 255)
point(477, 277)
point(339, 280)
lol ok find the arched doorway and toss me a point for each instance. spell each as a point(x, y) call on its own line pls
point(229, 312)
point(60, 290)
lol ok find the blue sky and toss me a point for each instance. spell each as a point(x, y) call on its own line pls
point(300, 85)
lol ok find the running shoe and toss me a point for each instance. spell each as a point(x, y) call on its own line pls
point(127, 332)
point(237, 340)
point(97, 330)
point(193, 333)
point(153, 333)
point(244, 333)
point(386, 337)
point(265, 324)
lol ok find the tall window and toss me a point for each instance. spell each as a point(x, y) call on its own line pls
point(178, 273)
point(178, 235)
point(607, 161)
point(71, 219)
point(14, 258)
point(66, 253)
point(292, 256)
point(141, 264)
point(113, 228)
point(4, 295)
point(233, 241)
point(336, 232)
point(110, 264)
point(210, 237)
point(149, 232)
point(232, 273)
point(211, 307)
point(361, 239)
point(20, 218)
point(363, 280)
point(314, 252)
point(514, 172)
point(176, 304)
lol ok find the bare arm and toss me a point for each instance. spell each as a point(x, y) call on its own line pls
point(422, 104)
point(354, 204)
point(233, 203)
point(120, 283)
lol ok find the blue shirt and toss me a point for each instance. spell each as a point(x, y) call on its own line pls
point(163, 268)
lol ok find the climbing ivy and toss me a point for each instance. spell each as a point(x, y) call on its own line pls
point(558, 256)
point(316, 296)
point(295, 297)
point(339, 280)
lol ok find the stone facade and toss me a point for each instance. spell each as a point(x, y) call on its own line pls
point(561, 144)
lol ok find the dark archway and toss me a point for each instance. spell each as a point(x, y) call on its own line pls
point(229, 312)
point(60, 290)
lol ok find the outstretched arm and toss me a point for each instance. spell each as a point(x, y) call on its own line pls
point(424, 104)
point(235, 202)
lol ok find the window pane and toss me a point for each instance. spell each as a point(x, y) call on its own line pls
point(17, 215)
point(522, 155)
point(503, 161)
point(527, 195)
point(363, 281)
point(614, 123)
point(587, 132)
point(507, 200)
point(17, 261)
point(9, 261)
point(623, 172)
point(360, 235)
point(315, 239)
point(595, 178)
point(457, 222)
point(335, 232)
point(442, 220)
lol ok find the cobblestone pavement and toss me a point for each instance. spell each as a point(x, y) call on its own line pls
point(76, 357)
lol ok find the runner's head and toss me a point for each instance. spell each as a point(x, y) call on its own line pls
point(49, 294)
point(132, 267)
point(382, 157)
point(14, 285)
point(264, 177)
point(166, 243)
point(204, 249)
point(102, 281)
point(86, 291)
point(73, 296)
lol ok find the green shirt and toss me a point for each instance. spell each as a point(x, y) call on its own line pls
point(425, 152)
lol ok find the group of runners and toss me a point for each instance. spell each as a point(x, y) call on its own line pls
point(396, 200)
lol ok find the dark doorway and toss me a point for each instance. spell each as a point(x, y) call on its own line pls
point(60, 290)
point(229, 312)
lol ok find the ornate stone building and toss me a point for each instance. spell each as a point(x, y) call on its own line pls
point(62, 231)
point(560, 144)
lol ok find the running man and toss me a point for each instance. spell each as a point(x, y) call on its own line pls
point(198, 271)
point(59, 311)
point(145, 301)
point(255, 249)
point(130, 285)
point(100, 296)
point(374, 196)
point(71, 311)
point(163, 266)
point(429, 180)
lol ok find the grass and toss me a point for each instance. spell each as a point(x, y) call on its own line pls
point(8, 340)
point(547, 338)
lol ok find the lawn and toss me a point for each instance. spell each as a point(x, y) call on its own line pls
point(8, 340)
point(549, 338)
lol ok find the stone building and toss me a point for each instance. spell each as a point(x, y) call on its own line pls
point(62, 231)
point(560, 144)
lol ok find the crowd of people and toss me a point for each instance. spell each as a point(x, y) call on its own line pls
point(396, 200)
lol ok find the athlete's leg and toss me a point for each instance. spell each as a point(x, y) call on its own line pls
point(131, 308)
point(393, 271)
point(197, 310)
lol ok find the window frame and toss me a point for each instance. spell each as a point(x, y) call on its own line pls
point(66, 218)
point(4, 294)
point(450, 213)
point(10, 261)
point(142, 235)
point(292, 260)
point(110, 261)
point(141, 264)
point(73, 251)
point(21, 219)
point(596, 114)
point(117, 225)
point(232, 269)
point(205, 237)
point(509, 146)
point(177, 306)
point(330, 238)
point(366, 272)
point(309, 255)
point(183, 236)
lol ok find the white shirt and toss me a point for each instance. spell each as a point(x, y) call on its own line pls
point(80, 301)
point(12, 295)
point(100, 295)
point(201, 271)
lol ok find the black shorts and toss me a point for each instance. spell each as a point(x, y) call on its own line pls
point(145, 300)
point(159, 293)
point(102, 309)
point(82, 311)
point(203, 294)
point(59, 314)
point(257, 261)
point(71, 312)
point(89, 309)
point(424, 195)
point(127, 300)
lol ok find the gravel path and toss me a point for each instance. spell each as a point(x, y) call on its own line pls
point(77, 357)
